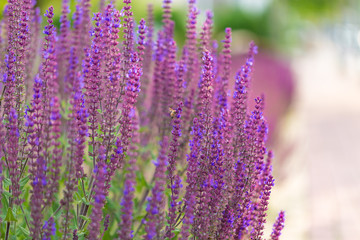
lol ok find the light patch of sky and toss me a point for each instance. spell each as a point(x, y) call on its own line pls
point(174, 3)
point(202, 5)
point(254, 6)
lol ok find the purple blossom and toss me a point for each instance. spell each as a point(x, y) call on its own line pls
point(49, 229)
point(100, 105)
point(190, 45)
point(157, 200)
point(12, 148)
point(127, 201)
point(99, 196)
point(278, 226)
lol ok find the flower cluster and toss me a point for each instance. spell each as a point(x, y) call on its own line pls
point(79, 129)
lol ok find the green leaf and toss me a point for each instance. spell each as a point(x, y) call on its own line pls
point(139, 218)
point(24, 181)
point(81, 233)
point(7, 194)
point(141, 182)
point(24, 231)
point(85, 201)
point(85, 218)
point(10, 216)
point(90, 148)
point(4, 201)
point(77, 196)
point(7, 182)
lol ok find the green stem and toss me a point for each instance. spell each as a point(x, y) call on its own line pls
point(26, 220)
point(7, 230)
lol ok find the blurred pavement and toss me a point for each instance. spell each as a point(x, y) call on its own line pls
point(320, 186)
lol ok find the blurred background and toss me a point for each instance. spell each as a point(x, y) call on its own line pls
point(309, 69)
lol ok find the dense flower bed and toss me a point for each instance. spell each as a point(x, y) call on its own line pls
point(83, 122)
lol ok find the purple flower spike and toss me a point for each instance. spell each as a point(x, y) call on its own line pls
point(157, 200)
point(278, 226)
point(64, 44)
point(92, 66)
point(157, 77)
point(147, 66)
point(190, 46)
point(206, 86)
point(49, 229)
point(78, 128)
point(18, 13)
point(128, 43)
point(225, 71)
point(206, 32)
point(262, 208)
point(102, 96)
point(12, 158)
point(173, 179)
point(55, 164)
point(75, 236)
point(167, 11)
point(99, 196)
point(125, 232)
point(131, 93)
point(192, 172)
point(226, 228)
point(37, 199)
point(106, 225)
point(2, 153)
point(141, 42)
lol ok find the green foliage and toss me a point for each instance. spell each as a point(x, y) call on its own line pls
point(10, 216)
point(315, 9)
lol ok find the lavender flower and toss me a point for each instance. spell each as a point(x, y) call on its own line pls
point(141, 42)
point(49, 229)
point(18, 20)
point(128, 43)
point(278, 226)
point(56, 152)
point(106, 224)
point(63, 46)
point(131, 94)
point(147, 64)
point(206, 33)
point(50, 106)
point(191, 188)
point(173, 179)
point(157, 78)
point(111, 76)
point(2, 153)
point(39, 185)
point(226, 228)
point(263, 205)
point(167, 11)
point(157, 201)
point(92, 81)
point(127, 202)
point(190, 46)
point(84, 26)
point(99, 196)
point(75, 236)
point(86, 111)
point(78, 129)
point(68, 192)
point(12, 151)
point(223, 83)
point(32, 48)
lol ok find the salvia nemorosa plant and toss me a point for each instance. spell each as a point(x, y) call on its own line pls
point(109, 130)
